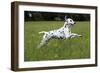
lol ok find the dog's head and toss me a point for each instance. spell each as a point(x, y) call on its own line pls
point(69, 21)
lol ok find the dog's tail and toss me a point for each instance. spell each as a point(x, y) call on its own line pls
point(42, 32)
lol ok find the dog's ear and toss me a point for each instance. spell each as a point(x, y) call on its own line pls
point(65, 18)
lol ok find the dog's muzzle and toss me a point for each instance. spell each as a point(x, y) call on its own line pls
point(73, 23)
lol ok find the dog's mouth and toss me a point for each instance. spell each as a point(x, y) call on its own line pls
point(74, 22)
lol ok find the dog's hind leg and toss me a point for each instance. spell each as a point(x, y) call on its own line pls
point(42, 43)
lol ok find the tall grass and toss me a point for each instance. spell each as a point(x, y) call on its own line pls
point(75, 48)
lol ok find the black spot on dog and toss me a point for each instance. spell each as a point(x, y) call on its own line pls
point(46, 35)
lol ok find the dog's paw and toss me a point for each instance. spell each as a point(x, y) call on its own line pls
point(80, 35)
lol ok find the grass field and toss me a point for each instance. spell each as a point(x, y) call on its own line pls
point(75, 48)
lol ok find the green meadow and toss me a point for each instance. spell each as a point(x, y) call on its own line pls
point(75, 48)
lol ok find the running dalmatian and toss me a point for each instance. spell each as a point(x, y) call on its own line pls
point(61, 33)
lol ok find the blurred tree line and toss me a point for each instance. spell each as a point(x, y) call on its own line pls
point(51, 16)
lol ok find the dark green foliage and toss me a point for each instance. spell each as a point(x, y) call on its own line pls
point(52, 16)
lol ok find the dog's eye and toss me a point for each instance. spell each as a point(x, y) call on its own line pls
point(70, 20)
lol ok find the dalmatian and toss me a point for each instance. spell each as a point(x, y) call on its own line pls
point(62, 33)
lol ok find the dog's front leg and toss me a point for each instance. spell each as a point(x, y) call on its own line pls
point(75, 35)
